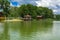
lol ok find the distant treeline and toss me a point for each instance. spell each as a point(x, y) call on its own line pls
point(31, 10)
point(57, 17)
point(25, 9)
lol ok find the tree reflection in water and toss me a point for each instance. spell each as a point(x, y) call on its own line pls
point(26, 30)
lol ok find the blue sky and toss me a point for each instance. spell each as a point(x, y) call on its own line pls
point(53, 4)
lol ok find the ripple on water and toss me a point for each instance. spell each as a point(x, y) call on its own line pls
point(1, 27)
point(14, 35)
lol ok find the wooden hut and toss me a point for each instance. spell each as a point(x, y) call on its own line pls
point(39, 17)
point(27, 17)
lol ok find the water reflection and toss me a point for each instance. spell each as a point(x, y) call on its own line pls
point(14, 30)
point(27, 30)
point(1, 30)
point(4, 35)
point(1, 27)
point(35, 30)
point(56, 30)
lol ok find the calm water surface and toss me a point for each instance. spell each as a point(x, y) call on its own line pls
point(30, 30)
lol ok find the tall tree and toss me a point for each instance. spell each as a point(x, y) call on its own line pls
point(14, 12)
point(5, 4)
point(34, 11)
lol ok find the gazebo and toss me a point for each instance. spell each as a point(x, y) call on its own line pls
point(27, 17)
point(39, 17)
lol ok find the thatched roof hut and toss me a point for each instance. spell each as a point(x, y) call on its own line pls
point(39, 16)
point(27, 17)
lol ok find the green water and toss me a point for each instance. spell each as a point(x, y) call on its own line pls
point(30, 30)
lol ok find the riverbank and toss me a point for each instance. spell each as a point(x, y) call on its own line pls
point(11, 20)
point(19, 19)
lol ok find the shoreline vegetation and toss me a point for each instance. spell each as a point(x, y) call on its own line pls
point(25, 12)
point(28, 12)
point(20, 20)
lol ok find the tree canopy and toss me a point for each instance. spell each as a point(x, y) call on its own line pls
point(34, 11)
point(5, 4)
point(25, 9)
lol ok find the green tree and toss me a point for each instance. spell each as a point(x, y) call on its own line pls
point(14, 12)
point(27, 9)
point(34, 11)
point(5, 5)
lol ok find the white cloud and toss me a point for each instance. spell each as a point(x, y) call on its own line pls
point(53, 4)
point(46, 3)
point(16, 0)
point(54, 10)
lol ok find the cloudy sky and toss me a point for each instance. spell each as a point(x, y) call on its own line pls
point(53, 4)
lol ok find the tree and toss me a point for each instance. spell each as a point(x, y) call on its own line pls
point(27, 9)
point(34, 11)
point(5, 4)
point(14, 12)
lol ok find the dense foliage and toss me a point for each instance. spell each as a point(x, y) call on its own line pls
point(5, 5)
point(57, 17)
point(14, 12)
point(25, 9)
point(35, 11)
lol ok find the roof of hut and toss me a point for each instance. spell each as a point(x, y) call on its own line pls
point(27, 16)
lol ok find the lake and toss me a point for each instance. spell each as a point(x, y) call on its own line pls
point(30, 30)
